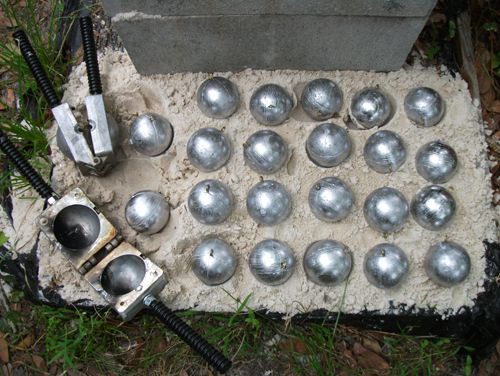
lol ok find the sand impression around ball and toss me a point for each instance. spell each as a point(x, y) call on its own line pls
point(127, 94)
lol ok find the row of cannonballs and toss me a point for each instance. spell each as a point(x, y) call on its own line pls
point(328, 263)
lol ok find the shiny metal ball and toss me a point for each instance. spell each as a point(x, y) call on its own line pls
point(217, 98)
point(114, 135)
point(268, 203)
point(321, 99)
point(270, 104)
point(208, 149)
point(424, 106)
point(330, 199)
point(385, 152)
point(265, 152)
point(370, 108)
point(210, 202)
point(433, 207)
point(328, 145)
point(123, 274)
point(436, 162)
point(327, 262)
point(386, 210)
point(151, 134)
point(271, 262)
point(214, 261)
point(386, 266)
point(147, 212)
point(447, 264)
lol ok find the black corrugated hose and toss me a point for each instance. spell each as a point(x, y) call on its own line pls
point(90, 56)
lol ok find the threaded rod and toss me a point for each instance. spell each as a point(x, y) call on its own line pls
point(188, 335)
point(36, 68)
point(90, 55)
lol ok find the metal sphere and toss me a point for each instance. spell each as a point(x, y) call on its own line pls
point(328, 145)
point(271, 262)
point(436, 162)
point(327, 262)
point(147, 212)
point(370, 108)
point(270, 104)
point(330, 199)
point(208, 149)
point(385, 152)
point(268, 203)
point(114, 135)
point(217, 98)
point(210, 202)
point(123, 275)
point(433, 207)
point(321, 99)
point(386, 266)
point(76, 227)
point(265, 152)
point(151, 134)
point(214, 261)
point(424, 106)
point(447, 264)
point(386, 210)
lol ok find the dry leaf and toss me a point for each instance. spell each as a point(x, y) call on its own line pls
point(4, 350)
point(372, 345)
point(6, 22)
point(488, 97)
point(495, 107)
point(22, 3)
point(438, 19)
point(439, 365)
point(27, 341)
point(93, 371)
point(183, 373)
point(484, 81)
point(39, 363)
point(160, 346)
point(351, 362)
point(79, 52)
point(10, 100)
point(295, 345)
point(369, 359)
point(357, 349)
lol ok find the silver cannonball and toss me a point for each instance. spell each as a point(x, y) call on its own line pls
point(210, 202)
point(385, 152)
point(447, 264)
point(208, 149)
point(436, 162)
point(151, 134)
point(433, 207)
point(270, 104)
point(265, 152)
point(330, 199)
point(268, 203)
point(424, 106)
point(114, 136)
point(328, 145)
point(147, 212)
point(327, 262)
point(321, 99)
point(386, 266)
point(386, 210)
point(217, 98)
point(214, 261)
point(271, 262)
point(370, 108)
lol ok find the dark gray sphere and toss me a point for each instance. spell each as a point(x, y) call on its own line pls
point(268, 203)
point(265, 152)
point(123, 274)
point(321, 99)
point(330, 199)
point(147, 212)
point(385, 151)
point(424, 106)
point(210, 202)
point(327, 262)
point(214, 261)
point(270, 104)
point(447, 264)
point(328, 145)
point(433, 207)
point(271, 262)
point(217, 98)
point(386, 266)
point(151, 134)
point(208, 149)
point(386, 210)
point(370, 108)
point(436, 162)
